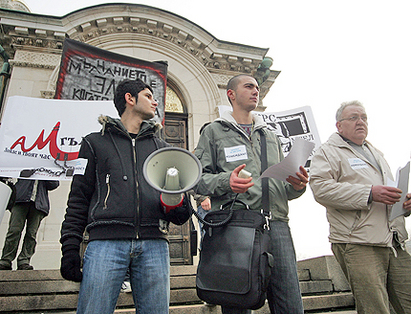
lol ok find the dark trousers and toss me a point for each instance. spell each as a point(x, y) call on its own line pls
point(22, 214)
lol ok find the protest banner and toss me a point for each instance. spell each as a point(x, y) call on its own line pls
point(40, 138)
point(91, 73)
point(290, 125)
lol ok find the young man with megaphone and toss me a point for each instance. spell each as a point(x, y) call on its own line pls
point(121, 212)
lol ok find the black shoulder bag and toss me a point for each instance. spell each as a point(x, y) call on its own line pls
point(235, 263)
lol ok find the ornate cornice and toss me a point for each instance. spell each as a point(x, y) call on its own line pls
point(203, 51)
point(35, 31)
point(19, 30)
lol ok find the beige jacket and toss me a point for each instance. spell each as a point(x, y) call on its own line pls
point(341, 180)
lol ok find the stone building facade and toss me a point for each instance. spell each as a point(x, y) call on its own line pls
point(199, 67)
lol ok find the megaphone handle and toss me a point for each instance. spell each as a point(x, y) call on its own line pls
point(168, 208)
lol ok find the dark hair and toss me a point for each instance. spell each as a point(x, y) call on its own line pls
point(128, 86)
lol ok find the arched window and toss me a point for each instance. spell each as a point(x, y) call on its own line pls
point(173, 101)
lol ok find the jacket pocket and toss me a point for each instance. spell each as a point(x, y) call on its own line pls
point(108, 191)
point(356, 222)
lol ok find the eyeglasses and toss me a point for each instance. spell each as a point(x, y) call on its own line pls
point(356, 118)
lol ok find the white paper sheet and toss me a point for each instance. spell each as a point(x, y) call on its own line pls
point(297, 157)
point(289, 125)
point(401, 182)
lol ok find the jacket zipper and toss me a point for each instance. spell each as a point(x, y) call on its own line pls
point(108, 190)
point(133, 140)
point(136, 221)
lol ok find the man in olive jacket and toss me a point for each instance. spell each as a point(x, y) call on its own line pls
point(349, 177)
point(232, 143)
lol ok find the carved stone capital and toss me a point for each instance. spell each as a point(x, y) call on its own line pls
point(25, 58)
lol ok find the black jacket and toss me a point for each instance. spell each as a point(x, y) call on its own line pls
point(24, 189)
point(112, 200)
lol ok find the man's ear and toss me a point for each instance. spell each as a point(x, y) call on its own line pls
point(338, 124)
point(130, 99)
point(231, 94)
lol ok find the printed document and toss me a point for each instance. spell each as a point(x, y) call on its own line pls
point(297, 157)
point(401, 182)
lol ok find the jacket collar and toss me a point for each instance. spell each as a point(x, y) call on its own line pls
point(227, 116)
point(147, 126)
point(337, 140)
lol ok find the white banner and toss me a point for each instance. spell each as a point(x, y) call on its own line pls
point(290, 125)
point(40, 138)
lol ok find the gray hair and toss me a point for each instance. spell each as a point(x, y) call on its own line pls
point(345, 105)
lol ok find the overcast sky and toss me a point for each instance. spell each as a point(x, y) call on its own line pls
point(328, 52)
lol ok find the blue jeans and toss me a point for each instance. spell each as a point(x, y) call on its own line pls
point(283, 294)
point(105, 265)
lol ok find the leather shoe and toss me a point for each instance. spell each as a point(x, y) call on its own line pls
point(5, 267)
point(25, 267)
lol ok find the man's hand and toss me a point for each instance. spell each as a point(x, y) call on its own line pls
point(386, 194)
point(70, 265)
point(301, 181)
point(237, 184)
point(206, 204)
point(407, 203)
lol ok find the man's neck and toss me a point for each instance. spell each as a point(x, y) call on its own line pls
point(243, 117)
point(132, 124)
point(358, 143)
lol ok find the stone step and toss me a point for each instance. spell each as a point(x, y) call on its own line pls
point(206, 309)
point(323, 268)
point(45, 291)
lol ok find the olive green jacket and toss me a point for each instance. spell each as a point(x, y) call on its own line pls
point(222, 147)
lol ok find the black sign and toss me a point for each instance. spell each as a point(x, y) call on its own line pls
point(90, 73)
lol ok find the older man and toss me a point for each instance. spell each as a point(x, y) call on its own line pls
point(349, 177)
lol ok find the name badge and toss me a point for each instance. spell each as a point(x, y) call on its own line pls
point(357, 163)
point(235, 153)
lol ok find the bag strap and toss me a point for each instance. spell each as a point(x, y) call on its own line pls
point(264, 165)
point(223, 222)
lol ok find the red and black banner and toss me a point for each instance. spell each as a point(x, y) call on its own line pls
point(91, 73)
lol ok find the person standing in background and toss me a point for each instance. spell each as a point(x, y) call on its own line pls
point(31, 206)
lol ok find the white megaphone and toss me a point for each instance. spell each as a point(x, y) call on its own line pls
point(172, 171)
